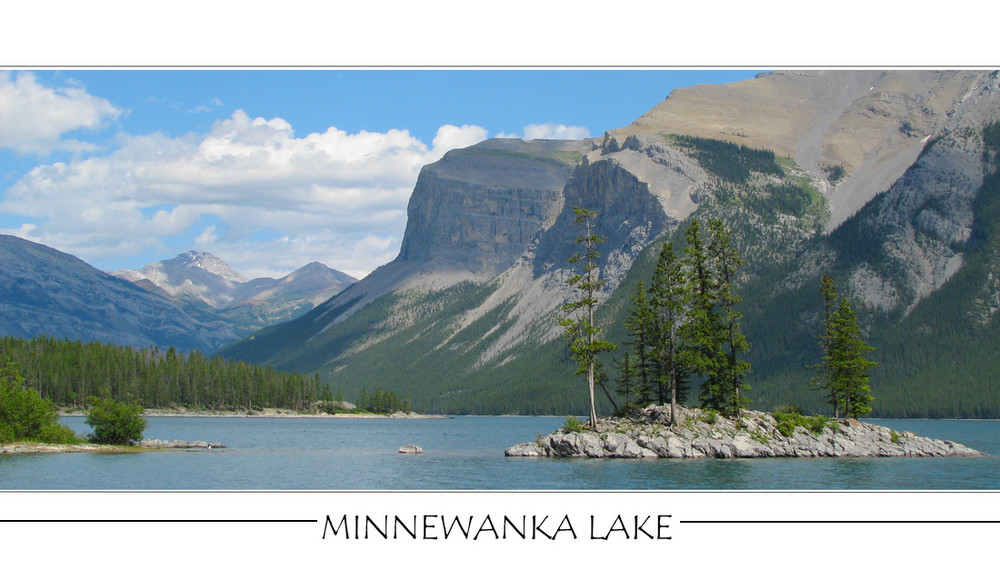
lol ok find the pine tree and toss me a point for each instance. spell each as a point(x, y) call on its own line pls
point(713, 341)
point(825, 382)
point(668, 295)
point(581, 332)
point(641, 329)
point(847, 363)
point(700, 330)
point(731, 370)
point(626, 380)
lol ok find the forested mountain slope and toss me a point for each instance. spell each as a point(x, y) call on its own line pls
point(881, 179)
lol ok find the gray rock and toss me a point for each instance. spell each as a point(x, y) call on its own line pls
point(753, 434)
point(524, 450)
point(178, 444)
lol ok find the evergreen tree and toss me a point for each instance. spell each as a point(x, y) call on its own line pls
point(581, 332)
point(627, 377)
point(641, 330)
point(847, 363)
point(731, 371)
point(701, 329)
point(668, 296)
point(825, 382)
point(713, 341)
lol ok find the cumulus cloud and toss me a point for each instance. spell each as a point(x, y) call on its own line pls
point(451, 137)
point(555, 131)
point(34, 117)
point(549, 131)
point(274, 199)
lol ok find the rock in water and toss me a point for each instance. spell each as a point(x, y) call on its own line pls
point(411, 449)
point(753, 434)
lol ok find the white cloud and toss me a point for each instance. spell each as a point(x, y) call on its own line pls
point(33, 117)
point(334, 197)
point(549, 131)
point(211, 106)
point(555, 131)
point(451, 137)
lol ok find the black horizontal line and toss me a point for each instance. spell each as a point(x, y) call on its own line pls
point(839, 522)
point(106, 521)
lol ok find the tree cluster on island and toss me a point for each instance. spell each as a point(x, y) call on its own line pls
point(684, 329)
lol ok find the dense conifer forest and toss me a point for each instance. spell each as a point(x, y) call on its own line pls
point(70, 372)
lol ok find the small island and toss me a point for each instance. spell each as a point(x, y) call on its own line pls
point(704, 434)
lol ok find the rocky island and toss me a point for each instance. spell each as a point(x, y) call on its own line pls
point(703, 434)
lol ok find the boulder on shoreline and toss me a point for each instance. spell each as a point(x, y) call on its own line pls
point(700, 434)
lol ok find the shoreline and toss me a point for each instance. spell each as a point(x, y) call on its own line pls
point(36, 447)
point(265, 414)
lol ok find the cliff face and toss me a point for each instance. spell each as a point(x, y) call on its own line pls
point(477, 209)
point(875, 179)
point(629, 217)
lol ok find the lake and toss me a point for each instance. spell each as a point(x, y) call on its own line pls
point(462, 453)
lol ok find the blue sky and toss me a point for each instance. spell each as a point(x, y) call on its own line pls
point(271, 169)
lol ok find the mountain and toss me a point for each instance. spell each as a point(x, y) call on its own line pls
point(44, 291)
point(883, 179)
point(208, 289)
point(192, 274)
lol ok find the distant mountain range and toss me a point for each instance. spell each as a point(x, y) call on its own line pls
point(193, 301)
point(207, 287)
point(884, 180)
point(45, 291)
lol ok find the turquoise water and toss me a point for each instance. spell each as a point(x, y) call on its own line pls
point(467, 453)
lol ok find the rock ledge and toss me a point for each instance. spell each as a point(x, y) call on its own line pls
point(699, 434)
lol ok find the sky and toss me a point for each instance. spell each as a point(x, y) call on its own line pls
point(271, 169)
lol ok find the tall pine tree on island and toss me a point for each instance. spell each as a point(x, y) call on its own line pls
point(668, 296)
point(711, 331)
point(700, 330)
point(824, 382)
point(641, 330)
point(732, 370)
point(581, 332)
point(847, 363)
point(844, 367)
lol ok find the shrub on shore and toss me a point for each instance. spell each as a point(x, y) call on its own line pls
point(115, 422)
point(27, 416)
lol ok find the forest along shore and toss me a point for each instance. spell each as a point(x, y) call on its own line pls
point(704, 434)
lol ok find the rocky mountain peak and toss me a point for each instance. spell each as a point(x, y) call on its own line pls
point(200, 279)
point(210, 263)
